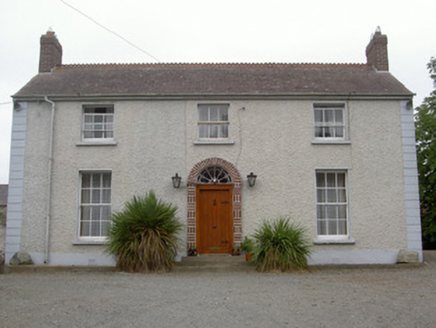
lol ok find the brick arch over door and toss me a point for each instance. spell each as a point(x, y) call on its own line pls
point(192, 205)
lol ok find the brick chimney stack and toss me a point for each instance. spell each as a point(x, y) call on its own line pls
point(377, 51)
point(50, 53)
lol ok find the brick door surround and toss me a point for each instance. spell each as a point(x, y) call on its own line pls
point(192, 201)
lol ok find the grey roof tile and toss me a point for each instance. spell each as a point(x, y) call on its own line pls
point(213, 79)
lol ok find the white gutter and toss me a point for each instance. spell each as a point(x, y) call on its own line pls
point(49, 176)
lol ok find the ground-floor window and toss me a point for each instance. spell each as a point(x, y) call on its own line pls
point(331, 203)
point(95, 204)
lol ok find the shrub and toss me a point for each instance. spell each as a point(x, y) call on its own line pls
point(143, 236)
point(247, 245)
point(281, 245)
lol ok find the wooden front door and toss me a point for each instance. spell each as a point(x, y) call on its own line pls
point(214, 219)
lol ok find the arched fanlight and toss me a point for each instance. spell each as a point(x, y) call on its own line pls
point(214, 174)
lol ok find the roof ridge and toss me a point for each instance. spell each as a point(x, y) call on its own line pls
point(206, 64)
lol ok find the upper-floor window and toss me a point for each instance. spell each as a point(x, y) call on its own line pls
point(98, 123)
point(330, 121)
point(213, 121)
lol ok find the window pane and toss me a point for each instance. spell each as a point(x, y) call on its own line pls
point(86, 180)
point(328, 132)
point(213, 131)
point(332, 228)
point(84, 229)
point(95, 228)
point(224, 116)
point(96, 196)
point(342, 198)
point(85, 212)
point(339, 132)
point(342, 227)
point(331, 196)
point(331, 212)
point(321, 195)
point(318, 116)
point(96, 180)
point(328, 116)
point(98, 118)
point(224, 131)
point(318, 132)
point(213, 114)
point(341, 179)
point(342, 211)
point(321, 212)
point(338, 116)
point(106, 196)
point(320, 179)
point(105, 212)
point(106, 180)
point(86, 196)
point(95, 213)
point(203, 114)
point(203, 131)
point(322, 227)
point(331, 179)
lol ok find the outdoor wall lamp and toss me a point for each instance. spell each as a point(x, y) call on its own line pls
point(176, 181)
point(251, 179)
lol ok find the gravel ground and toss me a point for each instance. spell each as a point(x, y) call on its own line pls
point(359, 297)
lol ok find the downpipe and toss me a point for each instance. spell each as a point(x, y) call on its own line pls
point(49, 184)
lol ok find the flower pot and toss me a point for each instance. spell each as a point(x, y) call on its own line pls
point(248, 257)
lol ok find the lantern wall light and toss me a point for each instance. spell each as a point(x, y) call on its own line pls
point(251, 179)
point(176, 181)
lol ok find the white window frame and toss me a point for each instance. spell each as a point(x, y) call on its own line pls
point(333, 238)
point(107, 127)
point(213, 140)
point(100, 239)
point(323, 106)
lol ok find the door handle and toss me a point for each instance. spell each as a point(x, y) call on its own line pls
point(214, 226)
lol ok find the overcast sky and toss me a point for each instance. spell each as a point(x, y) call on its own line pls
point(212, 31)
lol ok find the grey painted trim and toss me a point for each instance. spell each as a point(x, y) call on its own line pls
point(16, 182)
point(104, 143)
point(354, 257)
point(347, 241)
point(332, 142)
point(411, 186)
point(75, 259)
point(214, 142)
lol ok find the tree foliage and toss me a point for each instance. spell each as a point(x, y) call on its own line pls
point(425, 123)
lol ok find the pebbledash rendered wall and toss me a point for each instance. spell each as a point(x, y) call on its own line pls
point(272, 138)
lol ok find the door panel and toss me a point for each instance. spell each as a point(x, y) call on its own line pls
point(214, 219)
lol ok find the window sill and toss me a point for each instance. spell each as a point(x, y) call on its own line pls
point(89, 242)
point(331, 142)
point(96, 143)
point(214, 142)
point(349, 241)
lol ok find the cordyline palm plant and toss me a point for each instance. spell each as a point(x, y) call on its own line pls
point(143, 237)
point(281, 246)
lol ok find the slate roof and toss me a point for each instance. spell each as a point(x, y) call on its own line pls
point(213, 79)
point(3, 195)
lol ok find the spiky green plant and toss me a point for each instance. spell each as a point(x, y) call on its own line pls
point(143, 236)
point(281, 246)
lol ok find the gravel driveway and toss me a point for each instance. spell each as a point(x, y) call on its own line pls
point(366, 297)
